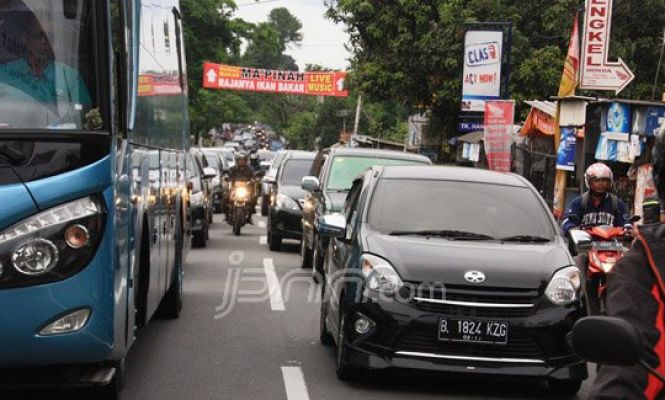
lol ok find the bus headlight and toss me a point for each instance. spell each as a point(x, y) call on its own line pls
point(36, 257)
point(51, 245)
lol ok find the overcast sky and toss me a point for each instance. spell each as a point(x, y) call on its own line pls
point(323, 41)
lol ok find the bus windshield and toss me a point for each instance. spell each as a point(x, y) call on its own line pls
point(47, 54)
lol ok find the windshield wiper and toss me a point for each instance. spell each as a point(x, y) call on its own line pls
point(448, 234)
point(525, 239)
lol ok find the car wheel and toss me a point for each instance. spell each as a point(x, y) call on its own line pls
point(274, 242)
point(305, 255)
point(198, 239)
point(265, 207)
point(342, 368)
point(324, 334)
point(564, 387)
point(113, 389)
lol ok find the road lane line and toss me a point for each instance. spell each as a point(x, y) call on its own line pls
point(274, 289)
point(294, 381)
point(263, 240)
point(262, 224)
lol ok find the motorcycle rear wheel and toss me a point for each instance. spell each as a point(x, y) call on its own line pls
point(238, 221)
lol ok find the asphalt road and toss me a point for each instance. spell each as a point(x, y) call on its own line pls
point(242, 335)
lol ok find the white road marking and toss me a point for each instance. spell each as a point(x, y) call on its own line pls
point(274, 289)
point(294, 381)
point(262, 224)
point(263, 240)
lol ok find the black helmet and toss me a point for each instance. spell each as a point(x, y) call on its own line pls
point(659, 164)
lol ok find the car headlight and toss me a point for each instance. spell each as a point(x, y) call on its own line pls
point(282, 201)
point(196, 199)
point(564, 286)
point(379, 274)
point(51, 245)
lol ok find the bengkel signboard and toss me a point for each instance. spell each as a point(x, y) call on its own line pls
point(228, 77)
point(597, 73)
point(483, 52)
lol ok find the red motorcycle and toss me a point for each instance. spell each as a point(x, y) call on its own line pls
point(600, 248)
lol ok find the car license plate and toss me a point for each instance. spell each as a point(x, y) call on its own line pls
point(475, 331)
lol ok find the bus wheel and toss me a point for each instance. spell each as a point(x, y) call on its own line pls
point(171, 304)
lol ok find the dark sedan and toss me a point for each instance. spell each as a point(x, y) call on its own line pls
point(287, 199)
point(450, 269)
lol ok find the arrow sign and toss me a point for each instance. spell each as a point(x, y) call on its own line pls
point(597, 73)
point(211, 75)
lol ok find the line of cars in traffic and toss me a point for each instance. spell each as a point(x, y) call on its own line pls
point(431, 268)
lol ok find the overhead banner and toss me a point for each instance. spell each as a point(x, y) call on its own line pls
point(499, 120)
point(228, 77)
point(483, 52)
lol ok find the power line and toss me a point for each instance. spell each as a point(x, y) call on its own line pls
point(255, 3)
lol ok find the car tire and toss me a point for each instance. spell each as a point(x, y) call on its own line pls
point(265, 207)
point(305, 255)
point(324, 334)
point(564, 387)
point(198, 239)
point(344, 371)
point(274, 241)
point(171, 304)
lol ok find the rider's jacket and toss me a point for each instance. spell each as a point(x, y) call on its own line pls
point(635, 292)
point(241, 173)
point(610, 211)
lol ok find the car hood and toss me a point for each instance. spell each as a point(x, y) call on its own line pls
point(519, 266)
point(336, 200)
point(292, 191)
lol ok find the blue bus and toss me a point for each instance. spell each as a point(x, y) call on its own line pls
point(94, 225)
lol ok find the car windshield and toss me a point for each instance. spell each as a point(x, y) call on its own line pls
point(464, 210)
point(294, 171)
point(47, 54)
point(347, 168)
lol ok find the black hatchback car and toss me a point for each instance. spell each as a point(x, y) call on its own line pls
point(287, 199)
point(450, 269)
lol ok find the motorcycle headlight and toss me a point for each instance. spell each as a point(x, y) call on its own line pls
point(379, 274)
point(286, 202)
point(241, 193)
point(564, 286)
point(52, 245)
point(196, 199)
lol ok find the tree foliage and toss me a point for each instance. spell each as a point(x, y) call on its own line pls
point(411, 50)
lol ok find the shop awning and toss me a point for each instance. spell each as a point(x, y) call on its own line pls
point(541, 119)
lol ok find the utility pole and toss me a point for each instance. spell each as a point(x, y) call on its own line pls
point(660, 60)
point(359, 108)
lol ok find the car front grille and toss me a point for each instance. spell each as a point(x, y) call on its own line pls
point(464, 301)
point(423, 339)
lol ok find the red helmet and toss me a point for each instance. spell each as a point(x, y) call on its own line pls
point(598, 171)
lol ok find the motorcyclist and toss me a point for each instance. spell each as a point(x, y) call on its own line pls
point(242, 172)
point(255, 161)
point(636, 293)
point(597, 206)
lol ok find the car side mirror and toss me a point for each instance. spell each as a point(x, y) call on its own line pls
point(581, 240)
point(269, 179)
point(333, 226)
point(607, 340)
point(311, 184)
point(209, 173)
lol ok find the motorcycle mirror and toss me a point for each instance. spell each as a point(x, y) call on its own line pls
point(582, 241)
point(635, 218)
point(607, 340)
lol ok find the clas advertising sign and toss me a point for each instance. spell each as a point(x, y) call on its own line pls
point(219, 76)
point(482, 69)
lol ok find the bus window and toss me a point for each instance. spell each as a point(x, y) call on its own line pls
point(47, 65)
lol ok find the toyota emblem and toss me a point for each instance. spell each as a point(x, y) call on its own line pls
point(474, 277)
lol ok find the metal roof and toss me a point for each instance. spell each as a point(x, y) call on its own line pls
point(548, 107)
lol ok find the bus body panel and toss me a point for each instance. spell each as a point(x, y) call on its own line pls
point(16, 205)
point(27, 310)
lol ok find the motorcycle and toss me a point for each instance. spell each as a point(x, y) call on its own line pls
point(240, 197)
point(600, 248)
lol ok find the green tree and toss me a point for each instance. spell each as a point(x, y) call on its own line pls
point(411, 50)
